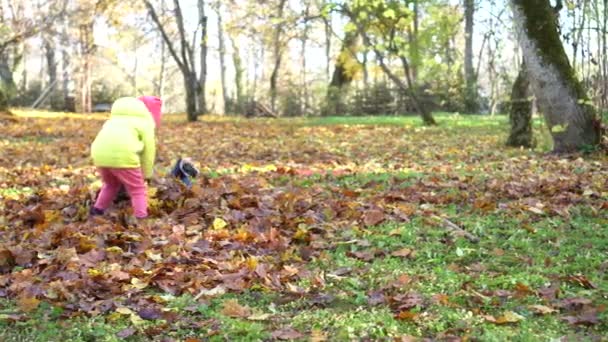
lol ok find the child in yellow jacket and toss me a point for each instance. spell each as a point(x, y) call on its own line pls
point(124, 152)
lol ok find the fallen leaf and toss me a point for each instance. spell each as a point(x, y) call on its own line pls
point(407, 316)
point(287, 333)
point(28, 304)
point(373, 217)
point(542, 309)
point(588, 318)
point(506, 318)
point(404, 253)
point(232, 308)
point(126, 332)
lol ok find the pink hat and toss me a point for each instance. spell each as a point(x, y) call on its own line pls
point(154, 105)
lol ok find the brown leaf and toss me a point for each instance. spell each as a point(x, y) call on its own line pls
point(588, 318)
point(580, 280)
point(150, 313)
point(376, 298)
point(28, 304)
point(573, 304)
point(365, 255)
point(408, 301)
point(407, 316)
point(232, 308)
point(506, 318)
point(126, 332)
point(287, 333)
point(523, 290)
point(542, 309)
point(373, 217)
point(404, 253)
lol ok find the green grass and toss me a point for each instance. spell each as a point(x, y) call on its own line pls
point(529, 258)
point(520, 249)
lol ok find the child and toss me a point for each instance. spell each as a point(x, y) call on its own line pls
point(124, 152)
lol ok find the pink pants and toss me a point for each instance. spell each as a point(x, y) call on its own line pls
point(133, 181)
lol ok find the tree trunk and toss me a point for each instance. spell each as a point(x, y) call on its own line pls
point(327, 27)
point(192, 88)
point(341, 77)
point(49, 48)
point(414, 46)
point(277, 55)
point(238, 74)
point(571, 118)
point(471, 103)
point(86, 41)
point(7, 84)
point(222, 53)
point(202, 18)
point(521, 112)
point(65, 62)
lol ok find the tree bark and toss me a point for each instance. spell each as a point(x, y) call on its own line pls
point(471, 103)
point(201, 96)
point(520, 116)
point(341, 77)
point(86, 48)
point(238, 74)
point(277, 54)
point(571, 118)
point(7, 84)
point(414, 46)
point(49, 47)
point(222, 53)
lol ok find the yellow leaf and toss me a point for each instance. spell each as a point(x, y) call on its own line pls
point(138, 283)
point(219, 223)
point(154, 257)
point(28, 304)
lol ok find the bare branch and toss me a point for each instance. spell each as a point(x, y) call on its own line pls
point(168, 41)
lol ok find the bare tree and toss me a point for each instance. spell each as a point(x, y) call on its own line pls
point(184, 58)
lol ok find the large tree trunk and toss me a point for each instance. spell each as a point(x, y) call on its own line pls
point(471, 103)
point(222, 53)
point(571, 118)
point(521, 112)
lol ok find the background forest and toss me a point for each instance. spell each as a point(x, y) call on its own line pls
point(310, 57)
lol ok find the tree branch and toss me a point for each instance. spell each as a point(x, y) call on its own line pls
point(164, 34)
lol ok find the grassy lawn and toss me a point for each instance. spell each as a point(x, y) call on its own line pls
point(307, 229)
